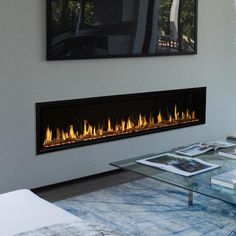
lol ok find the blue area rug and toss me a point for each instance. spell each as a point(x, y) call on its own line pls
point(148, 208)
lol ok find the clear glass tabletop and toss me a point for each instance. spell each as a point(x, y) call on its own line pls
point(200, 183)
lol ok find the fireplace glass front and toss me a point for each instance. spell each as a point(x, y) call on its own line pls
point(73, 123)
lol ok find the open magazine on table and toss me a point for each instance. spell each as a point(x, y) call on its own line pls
point(200, 148)
point(181, 165)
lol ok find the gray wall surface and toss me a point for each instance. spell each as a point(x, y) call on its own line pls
point(26, 78)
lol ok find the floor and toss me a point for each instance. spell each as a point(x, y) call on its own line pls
point(147, 207)
point(84, 185)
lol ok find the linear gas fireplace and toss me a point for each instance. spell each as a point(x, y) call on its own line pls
point(73, 123)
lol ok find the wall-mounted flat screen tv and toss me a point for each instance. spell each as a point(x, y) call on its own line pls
point(81, 29)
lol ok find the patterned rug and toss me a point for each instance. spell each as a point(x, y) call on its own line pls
point(148, 208)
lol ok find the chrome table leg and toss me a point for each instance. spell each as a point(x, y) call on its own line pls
point(190, 197)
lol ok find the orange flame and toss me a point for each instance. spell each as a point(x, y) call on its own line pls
point(159, 117)
point(48, 137)
point(143, 122)
point(72, 134)
point(109, 129)
point(176, 113)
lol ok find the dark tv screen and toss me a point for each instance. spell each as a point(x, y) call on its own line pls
point(81, 29)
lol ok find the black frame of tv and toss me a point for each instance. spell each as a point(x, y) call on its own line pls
point(49, 37)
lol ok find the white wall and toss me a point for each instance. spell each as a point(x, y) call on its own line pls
point(26, 78)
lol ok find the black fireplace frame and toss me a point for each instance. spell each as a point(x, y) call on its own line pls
point(42, 105)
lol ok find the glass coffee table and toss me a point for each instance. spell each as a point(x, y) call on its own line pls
point(200, 183)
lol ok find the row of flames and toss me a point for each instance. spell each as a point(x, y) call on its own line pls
point(90, 132)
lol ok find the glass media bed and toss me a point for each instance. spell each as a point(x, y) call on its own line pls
point(199, 183)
